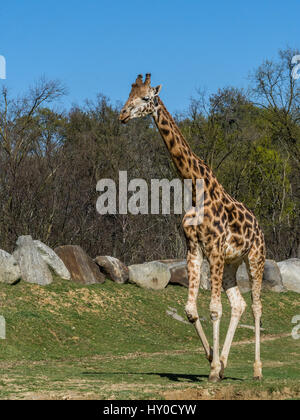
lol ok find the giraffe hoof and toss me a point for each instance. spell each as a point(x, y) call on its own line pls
point(257, 371)
point(214, 379)
point(191, 313)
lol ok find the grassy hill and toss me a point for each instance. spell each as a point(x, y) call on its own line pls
point(117, 341)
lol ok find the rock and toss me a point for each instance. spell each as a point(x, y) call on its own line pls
point(113, 268)
point(32, 266)
point(178, 271)
point(242, 278)
point(272, 279)
point(53, 260)
point(81, 267)
point(153, 275)
point(173, 313)
point(9, 268)
point(290, 273)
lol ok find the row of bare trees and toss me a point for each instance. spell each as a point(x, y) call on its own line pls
point(50, 162)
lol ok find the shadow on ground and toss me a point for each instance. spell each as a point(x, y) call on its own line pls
point(173, 377)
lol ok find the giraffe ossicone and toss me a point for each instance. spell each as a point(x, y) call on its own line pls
point(228, 235)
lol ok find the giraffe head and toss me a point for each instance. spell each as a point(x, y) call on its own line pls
point(142, 99)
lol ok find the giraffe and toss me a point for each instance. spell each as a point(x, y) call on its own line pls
point(228, 235)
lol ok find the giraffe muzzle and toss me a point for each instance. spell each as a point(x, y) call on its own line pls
point(124, 117)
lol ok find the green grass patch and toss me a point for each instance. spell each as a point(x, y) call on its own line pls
point(117, 341)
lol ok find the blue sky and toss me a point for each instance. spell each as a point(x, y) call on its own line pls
point(96, 46)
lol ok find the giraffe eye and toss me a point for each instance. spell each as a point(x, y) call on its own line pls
point(146, 98)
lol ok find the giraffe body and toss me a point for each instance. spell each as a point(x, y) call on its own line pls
point(228, 235)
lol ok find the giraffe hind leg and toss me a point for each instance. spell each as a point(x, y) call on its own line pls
point(255, 267)
point(216, 261)
point(238, 306)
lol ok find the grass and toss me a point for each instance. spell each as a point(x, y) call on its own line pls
point(114, 341)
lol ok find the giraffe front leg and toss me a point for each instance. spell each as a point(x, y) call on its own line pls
point(194, 262)
point(216, 269)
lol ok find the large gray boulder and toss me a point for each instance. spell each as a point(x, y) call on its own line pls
point(113, 268)
point(242, 278)
point(178, 271)
point(33, 267)
point(82, 268)
point(153, 275)
point(52, 260)
point(9, 268)
point(272, 279)
point(290, 272)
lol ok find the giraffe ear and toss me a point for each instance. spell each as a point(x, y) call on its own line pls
point(157, 89)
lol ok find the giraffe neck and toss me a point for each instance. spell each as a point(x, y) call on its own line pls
point(187, 163)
